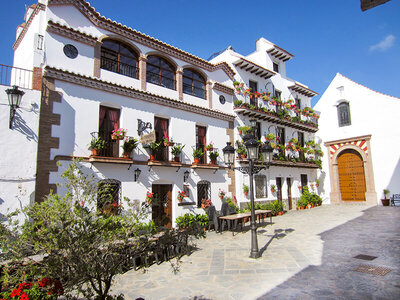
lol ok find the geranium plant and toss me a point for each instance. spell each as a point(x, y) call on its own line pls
point(149, 197)
point(168, 141)
point(206, 203)
point(118, 134)
point(221, 193)
point(181, 195)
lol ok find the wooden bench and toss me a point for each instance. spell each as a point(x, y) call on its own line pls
point(395, 199)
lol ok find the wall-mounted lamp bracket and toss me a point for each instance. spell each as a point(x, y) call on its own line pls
point(142, 126)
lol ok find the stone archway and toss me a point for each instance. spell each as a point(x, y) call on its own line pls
point(352, 153)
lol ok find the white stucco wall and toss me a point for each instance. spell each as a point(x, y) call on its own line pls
point(372, 113)
point(18, 151)
point(76, 124)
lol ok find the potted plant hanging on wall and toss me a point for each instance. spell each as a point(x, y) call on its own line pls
point(245, 189)
point(385, 201)
point(118, 134)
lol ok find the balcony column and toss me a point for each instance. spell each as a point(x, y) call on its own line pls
point(209, 93)
point(97, 59)
point(179, 83)
point(142, 71)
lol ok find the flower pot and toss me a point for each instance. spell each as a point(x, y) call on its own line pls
point(301, 207)
point(242, 156)
point(196, 161)
point(213, 162)
point(240, 132)
point(180, 199)
point(95, 152)
point(280, 213)
point(117, 137)
point(203, 206)
point(126, 154)
point(246, 193)
point(176, 158)
point(385, 202)
point(151, 157)
point(221, 197)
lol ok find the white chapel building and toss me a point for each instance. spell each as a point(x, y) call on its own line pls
point(360, 130)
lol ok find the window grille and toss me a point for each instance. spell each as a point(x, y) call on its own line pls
point(203, 191)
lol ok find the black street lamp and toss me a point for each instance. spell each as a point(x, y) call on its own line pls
point(252, 147)
point(14, 101)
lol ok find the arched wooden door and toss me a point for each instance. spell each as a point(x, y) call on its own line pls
point(351, 176)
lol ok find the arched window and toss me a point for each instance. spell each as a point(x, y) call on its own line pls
point(161, 72)
point(119, 58)
point(194, 84)
point(203, 191)
point(108, 195)
point(343, 110)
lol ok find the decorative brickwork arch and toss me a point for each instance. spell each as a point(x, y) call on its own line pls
point(354, 154)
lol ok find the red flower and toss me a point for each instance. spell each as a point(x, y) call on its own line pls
point(15, 292)
point(24, 296)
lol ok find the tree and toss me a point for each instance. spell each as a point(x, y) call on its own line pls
point(82, 246)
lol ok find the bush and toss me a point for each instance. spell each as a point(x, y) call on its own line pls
point(193, 223)
point(81, 244)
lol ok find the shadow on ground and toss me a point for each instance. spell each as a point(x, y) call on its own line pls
point(375, 233)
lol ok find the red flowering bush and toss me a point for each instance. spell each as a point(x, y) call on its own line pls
point(44, 288)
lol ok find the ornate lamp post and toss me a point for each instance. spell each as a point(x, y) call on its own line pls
point(252, 147)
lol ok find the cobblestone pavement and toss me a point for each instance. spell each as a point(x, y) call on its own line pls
point(307, 254)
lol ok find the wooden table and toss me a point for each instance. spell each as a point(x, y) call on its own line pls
point(240, 217)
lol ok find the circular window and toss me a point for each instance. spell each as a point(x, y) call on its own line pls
point(222, 99)
point(70, 51)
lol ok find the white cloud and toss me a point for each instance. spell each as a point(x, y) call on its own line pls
point(385, 44)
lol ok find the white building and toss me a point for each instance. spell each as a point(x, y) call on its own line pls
point(288, 117)
point(97, 75)
point(359, 128)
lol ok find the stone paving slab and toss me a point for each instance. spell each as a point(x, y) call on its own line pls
point(309, 254)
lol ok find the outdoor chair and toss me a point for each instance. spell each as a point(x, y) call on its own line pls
point(212, 218)
point(395, 199)
point(225, 211)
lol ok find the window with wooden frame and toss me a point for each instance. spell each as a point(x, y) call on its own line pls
point(201, 141)
point(109, 121)
point(254, 86)
point(161, 129)
point(161, 72)
point(261, 186)
point(343, 110)
point(194, 84)
point(119, 58)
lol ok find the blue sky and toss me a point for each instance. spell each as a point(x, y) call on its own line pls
point(325, 36)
